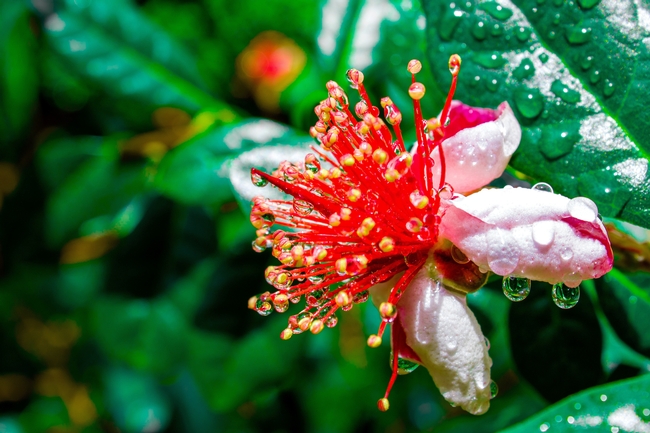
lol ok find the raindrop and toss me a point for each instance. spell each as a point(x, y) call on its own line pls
point(566, 254)
point(258, 180)
point(526, 69)
point(475, 81)
point(404, 366)
point(543, 57)
point(451, 347)
point(552, 35)
point(583, 209)
point(588, 4)
point(458, 255)
point(565, 297)
point(609, 88)
point(523, 33)
point(449, 21)
point(557, 18)
point(331, 321)
point(503, 251)
point(496, 10)
point(264, 308)
point(497, 30)
point(529, 102)
point(516, 289)
point(479, 30)
point(487, 343)
point(302, 207)
point(494, 389)
point(586, 62)
point(492, 85)
point(543, 186)
point(543, 233)
point(594, 77)
point(558, 3)
point(360, 297)
point(558, 140)
point(564, 92)
point(490, 60)
point(578, 35)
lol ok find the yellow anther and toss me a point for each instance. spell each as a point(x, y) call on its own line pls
point(387, 244)
point(286, 334)
point(335, 220)
point(347, 160)
point(342, 299)
point(374, 341)
point(417, 90)
point(354, 195)
point(383, 404)
point(391, 175)
point(316, 326)
point(380, 156)
point(387, 310)
point(341, 265)
point(414, 66)
point(252, 302)
point(346, 212)
point(335, 173)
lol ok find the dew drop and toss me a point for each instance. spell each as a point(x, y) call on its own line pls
point(516, 289)
point(557, 18)
point(264, 308)
point(529, 102)
point(564, 92)
point(543, 57)
point(360, 297)
point(565, 297)
point(487, 343)
point(331, 321)
point(543, 186)
point(526, 69)
point(404, 366)
point(475, 81)
point(451, 347)
point(583, 209)
point(558, 3)
point(594, 77)
point(258, 180)
point(490, 60)
point(586, 62)
point(503, 251)
point(302, 207)
point(543, 233)
point(449, 21)
point(551, 35)
point(558, 140)
point(588, 4)
point(566, 254)
point(523, 33)
point(609, 88)
point(494, 389)
point(578, 35)
point(497, 30)
point(458, 255)
point(496, 10)
point(492, 85)
point(479, 30)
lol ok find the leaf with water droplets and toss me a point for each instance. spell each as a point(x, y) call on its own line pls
point(575, 74)
point(619, 406)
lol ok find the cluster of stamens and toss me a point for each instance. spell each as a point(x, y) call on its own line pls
point(363, 209)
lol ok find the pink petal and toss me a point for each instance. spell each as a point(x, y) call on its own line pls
point(480, 144)
point(530, 233)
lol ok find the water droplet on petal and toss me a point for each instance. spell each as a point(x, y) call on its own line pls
point(543, 233)
point(258, 180)
point(516, 289)
point(542, 186)
point(566, 254)
point(565, 297)
point(487, 342)
point(494, 389)
point(404, 366)
point(503, 251)
point(458, 255)
point(583, 209)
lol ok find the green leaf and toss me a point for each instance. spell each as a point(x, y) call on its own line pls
point(120, 50)
point(619, 406)
point(99, 187)
point(574, 75)
point(557, 351)
point(138, 330)
point(198, 171)
point(625, 300)
point(18, 75)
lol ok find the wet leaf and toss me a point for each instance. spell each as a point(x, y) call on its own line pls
point(575, 77)
point(619, 406)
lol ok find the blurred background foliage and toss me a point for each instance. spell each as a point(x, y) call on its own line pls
point(125, 257)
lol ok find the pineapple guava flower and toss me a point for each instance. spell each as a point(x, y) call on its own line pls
point(367, 216)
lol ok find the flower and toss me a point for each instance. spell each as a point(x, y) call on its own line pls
point(367, 216)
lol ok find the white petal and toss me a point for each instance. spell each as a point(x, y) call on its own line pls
point(530, 233)
point(444, 333)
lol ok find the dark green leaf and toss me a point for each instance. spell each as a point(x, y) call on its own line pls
point(619, 406)
point(18, 76)
point(557, 351)
point(625, 300)
point(120, 50)
point(575, 77)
